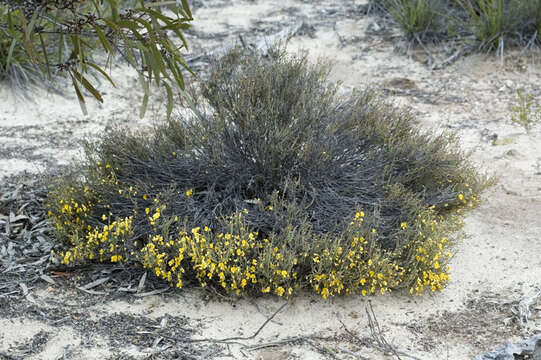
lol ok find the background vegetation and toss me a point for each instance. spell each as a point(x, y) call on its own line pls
point(40, 39)
point(273, 184)
point(489, 23)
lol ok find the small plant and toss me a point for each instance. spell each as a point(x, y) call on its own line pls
point(418, 18)
point(524, 113)
point(274, 184)
point(492, 23)
point(486, 19)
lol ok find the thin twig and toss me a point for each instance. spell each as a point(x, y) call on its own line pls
point(426, 50)
point(451, 59)
point(376, 331)
point(277, 343)
point(225, 340)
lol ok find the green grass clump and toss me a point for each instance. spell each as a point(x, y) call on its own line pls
point(274, 183)
point(492, 23)
point(417, 18)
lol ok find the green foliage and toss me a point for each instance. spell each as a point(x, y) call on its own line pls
point(524, 112)
point(69, 37)
point(14, 64)
point(273, 184)
point(415, 17)
point(490, 22)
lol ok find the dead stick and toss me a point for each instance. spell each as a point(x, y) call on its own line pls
point(243, 337)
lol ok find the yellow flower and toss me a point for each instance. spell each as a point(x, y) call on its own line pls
point(403, 225)
point(460, 197)
point(279, 291)
point(116, 258)
point(324, 293)
point(147, 210)
point(189, 192)
point(270, 208)
point(104, 217)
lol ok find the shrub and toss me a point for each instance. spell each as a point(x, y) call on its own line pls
point(273, 184)
point(48, 38)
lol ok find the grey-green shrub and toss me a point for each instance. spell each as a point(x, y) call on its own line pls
point(328, 190)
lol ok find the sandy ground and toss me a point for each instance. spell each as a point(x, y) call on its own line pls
point(497, 264)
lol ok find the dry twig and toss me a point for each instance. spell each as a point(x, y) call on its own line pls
point(228, 340)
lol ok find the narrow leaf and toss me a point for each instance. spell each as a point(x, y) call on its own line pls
point(104, 42)
point(101, 71)
point(79, 95)
point(169, 99)
point(44, 49)
point(187, 8)
point(88, 86)
point(10, 53)
point(144, 106)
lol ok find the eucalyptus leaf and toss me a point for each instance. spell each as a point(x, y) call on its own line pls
point(55, 39)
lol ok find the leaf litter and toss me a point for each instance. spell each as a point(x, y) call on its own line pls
point(25, 245)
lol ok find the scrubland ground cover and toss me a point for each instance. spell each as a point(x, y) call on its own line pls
point(113, 309)
point(274, 183)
